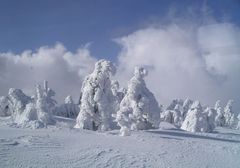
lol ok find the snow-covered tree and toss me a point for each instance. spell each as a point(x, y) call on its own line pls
point(97, 100)
point(220, 119)
point(173, 116)
point(17, 102)
point(238, 125)
point(197, 120)
point(229, 115)
point(186, 106)
point(4, 107)
point(68, 109)
point(48, 94)
point(139, 109)
point(174, 103)
point(43, 106)
point(211, 115)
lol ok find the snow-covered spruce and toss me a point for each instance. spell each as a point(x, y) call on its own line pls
point(230, 116)
point(97, 100)
point(139, 109)
point(186, 106)
point(197, 120)
point(69, 109)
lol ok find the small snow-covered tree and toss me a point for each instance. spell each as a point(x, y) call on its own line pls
point(97, 100)
point(48, 94)
point(68, 109)
point(229, 115)
point(174, 103)
point(139, 109)
point(197, 120)
point(211, 115)
point(173, 116)
point(4, 107)
point(220, 119)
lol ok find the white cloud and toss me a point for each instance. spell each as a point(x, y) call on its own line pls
point(200, 62)
point(63, 69)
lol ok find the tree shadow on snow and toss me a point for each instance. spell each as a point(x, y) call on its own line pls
point(189, 135)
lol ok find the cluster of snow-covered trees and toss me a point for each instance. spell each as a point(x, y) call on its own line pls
point(35, 111)
point(105, 106)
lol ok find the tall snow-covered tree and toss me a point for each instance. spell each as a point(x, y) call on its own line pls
point(220, 119)
point(97, 100)
point(43, 106)
point(186, 106)
point(230, 116)
point(197, 120)
point(139, 109)
point(48, 94)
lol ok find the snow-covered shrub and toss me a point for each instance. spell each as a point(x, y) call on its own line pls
point(231, 120)
point(139, 109)
point(220, 119)
point(68, 109)
point(97, 100)
point(197, 120)
point(4, 107)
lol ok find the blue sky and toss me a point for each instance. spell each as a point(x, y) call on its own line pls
point(190, 46)
point(29, 24)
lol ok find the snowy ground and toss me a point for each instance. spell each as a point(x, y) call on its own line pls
point(61, 146)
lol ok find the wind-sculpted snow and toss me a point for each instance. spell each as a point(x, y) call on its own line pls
point(139, 109)
point(97, 101)
point(59, 146)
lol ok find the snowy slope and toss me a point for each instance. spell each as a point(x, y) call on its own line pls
point(61, 146)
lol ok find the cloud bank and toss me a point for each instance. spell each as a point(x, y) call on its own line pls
point(199, 62)
point(63, 69)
